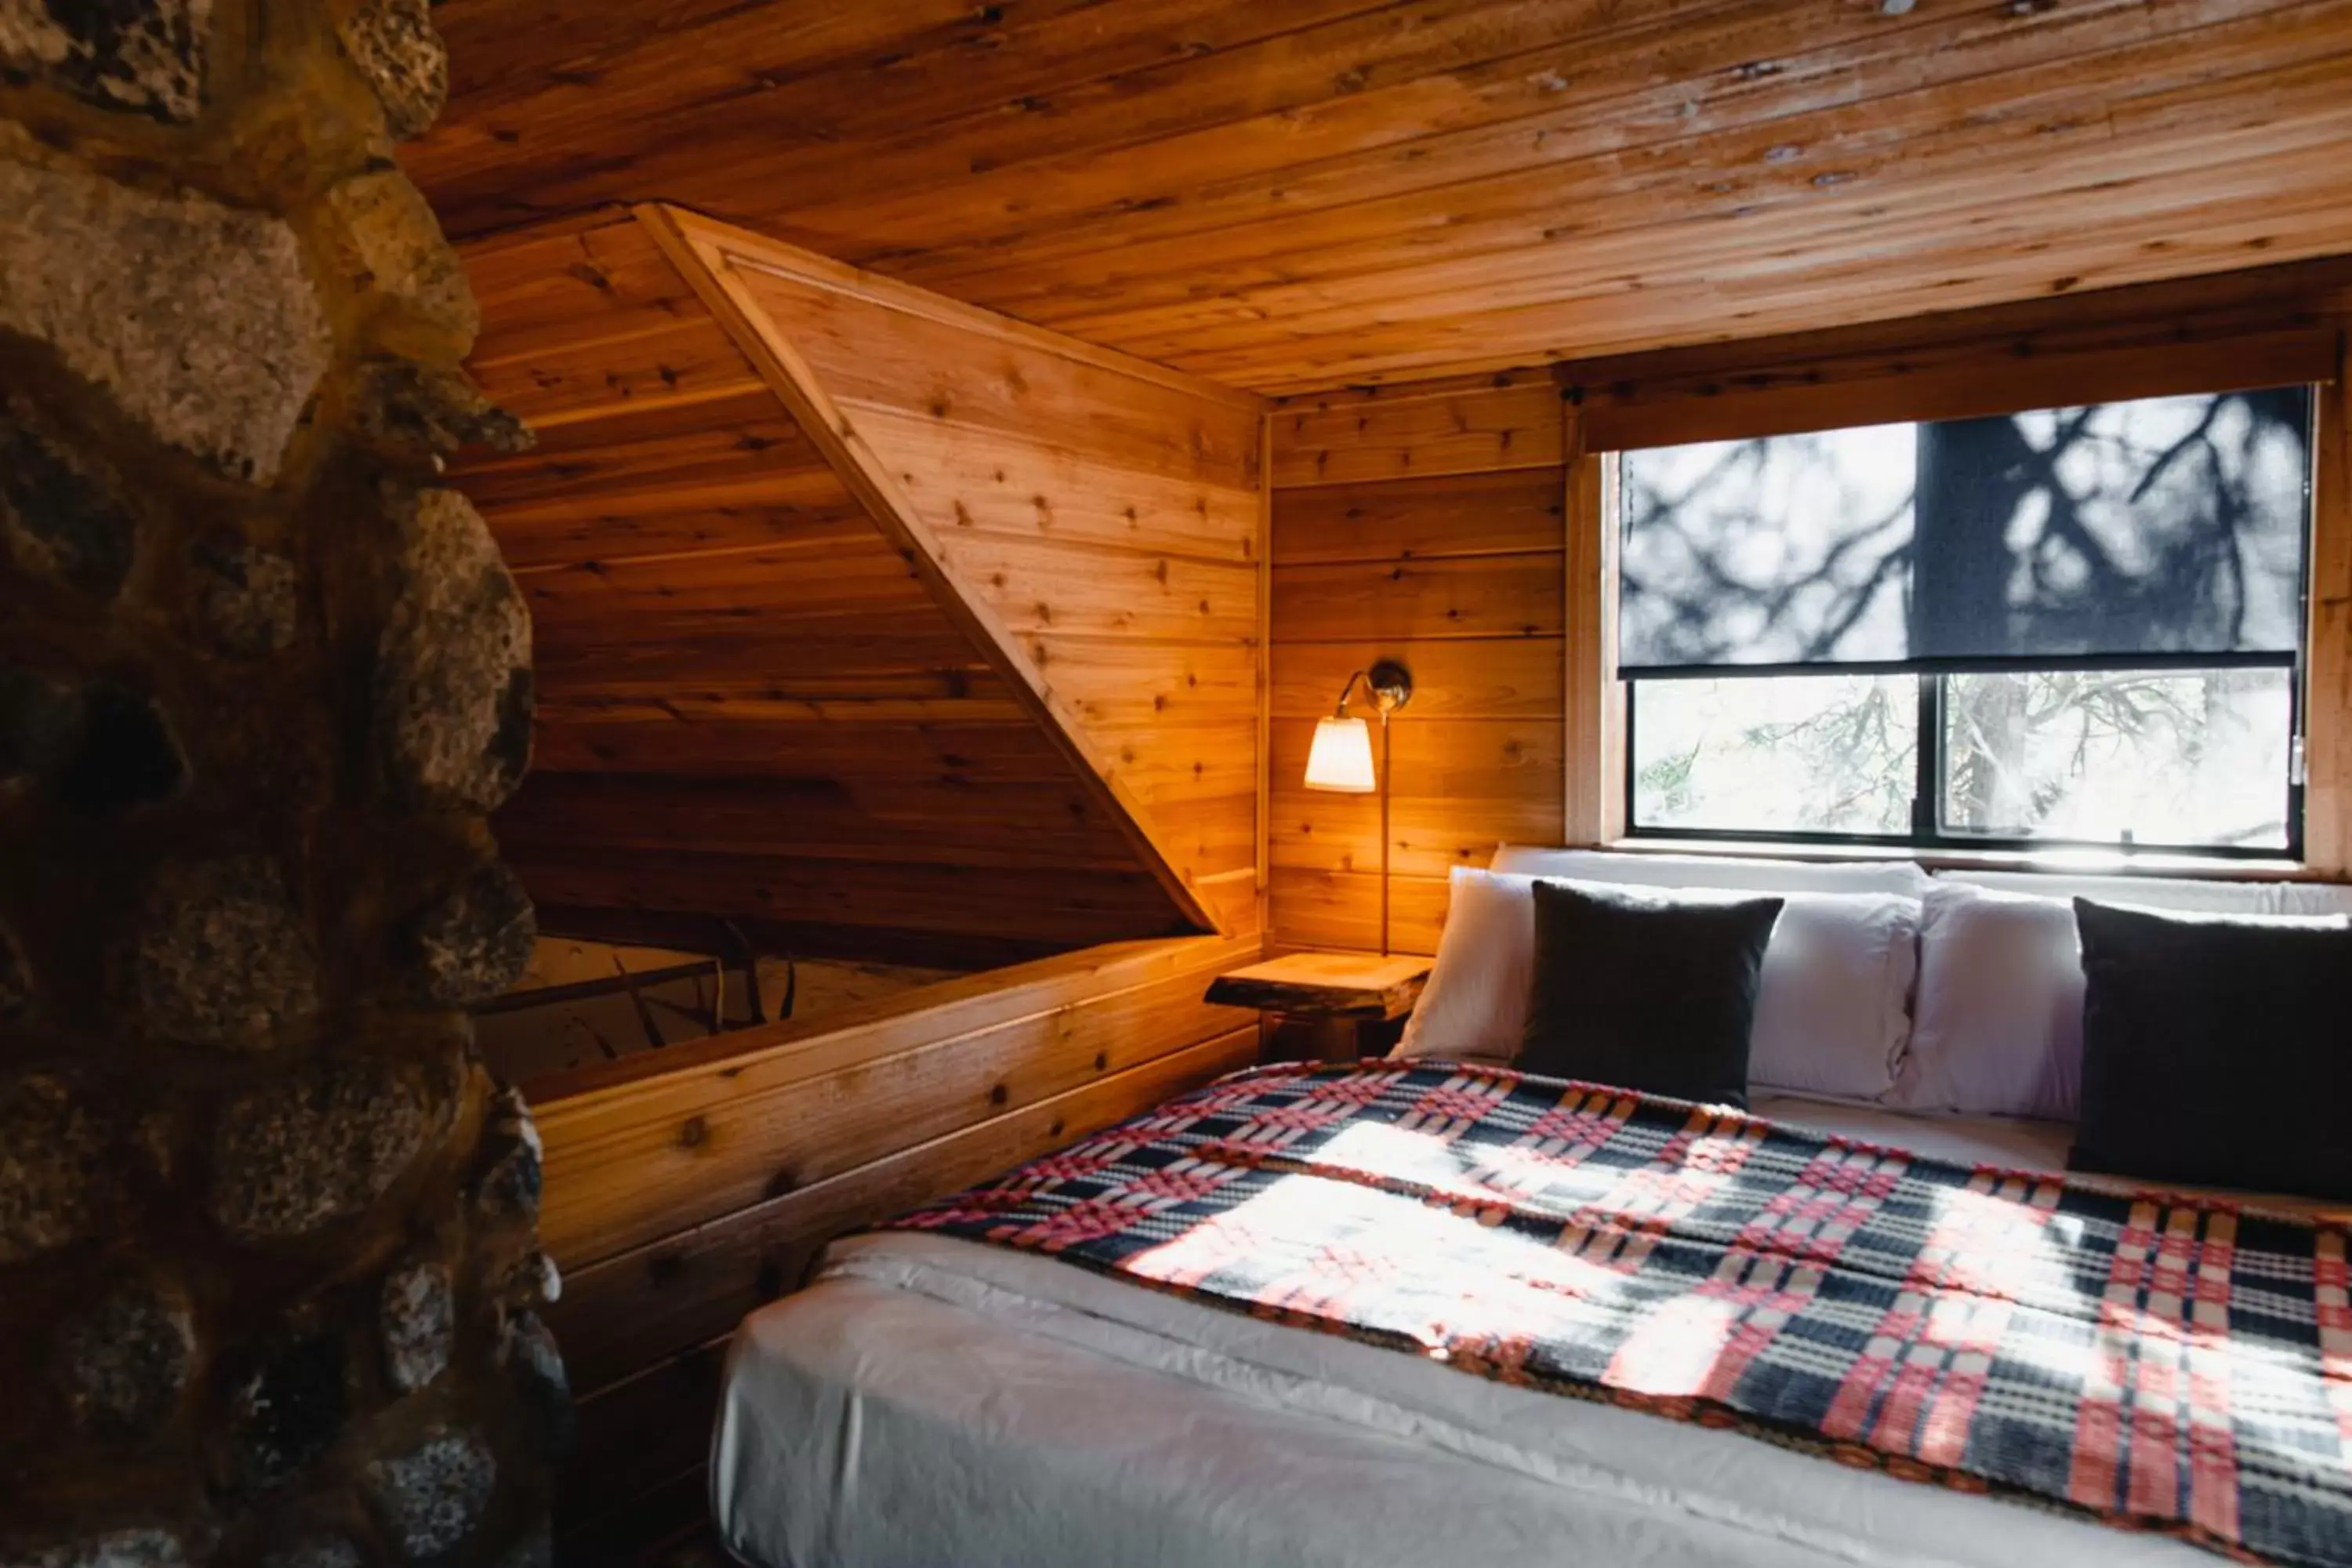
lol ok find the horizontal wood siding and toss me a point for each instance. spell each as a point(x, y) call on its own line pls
point(1423, 525)
point(751, 705)
point(684, 1191)
point(1102, 517)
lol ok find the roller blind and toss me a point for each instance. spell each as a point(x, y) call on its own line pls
point(2166, 531)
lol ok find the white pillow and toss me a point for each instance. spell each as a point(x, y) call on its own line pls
point(1831, 1012)
point(1902, 877)
point(2181, 893)
point(1998, 1025)
point(1475, 1007)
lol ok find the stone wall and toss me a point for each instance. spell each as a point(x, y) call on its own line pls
point(269, 1270)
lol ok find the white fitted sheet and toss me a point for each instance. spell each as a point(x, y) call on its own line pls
point(933, 1401)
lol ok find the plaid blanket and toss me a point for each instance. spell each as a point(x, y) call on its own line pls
point(2154, 1360)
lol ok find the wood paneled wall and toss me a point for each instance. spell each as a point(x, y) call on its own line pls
point(1423, 525)
point(684, 1190)
point(1458, 525)
point(1097, 517)
point(760, 700)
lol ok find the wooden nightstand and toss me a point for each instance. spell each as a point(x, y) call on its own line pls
point(1331, 1006)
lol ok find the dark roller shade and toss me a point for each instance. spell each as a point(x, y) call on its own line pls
point(2164, 531)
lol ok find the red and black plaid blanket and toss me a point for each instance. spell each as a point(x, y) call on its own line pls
point(2155, 1362)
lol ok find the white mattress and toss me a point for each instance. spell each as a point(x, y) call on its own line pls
point(933, 1401)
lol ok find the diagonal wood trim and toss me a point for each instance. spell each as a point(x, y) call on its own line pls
point(705, 253)
point(746, 249)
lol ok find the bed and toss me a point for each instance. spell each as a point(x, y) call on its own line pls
point(932, 1400)
point(940, 1399)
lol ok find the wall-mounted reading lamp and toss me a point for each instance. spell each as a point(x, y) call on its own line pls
point(1340, 760)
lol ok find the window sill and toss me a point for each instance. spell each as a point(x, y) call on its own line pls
point(2058, 862)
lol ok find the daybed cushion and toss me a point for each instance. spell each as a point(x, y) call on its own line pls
point(1832, 1014)
point(1647, 987)
point(2212, 1048)
point(1763, 876)
point(2183, 893)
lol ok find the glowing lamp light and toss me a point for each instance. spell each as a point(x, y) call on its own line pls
point(1341, 758)
point(1340, 761)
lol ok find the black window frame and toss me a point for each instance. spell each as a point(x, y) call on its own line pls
point(1927, 834)
point(1927, 818)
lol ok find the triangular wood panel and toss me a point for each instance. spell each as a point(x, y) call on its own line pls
point(754, 707)
point(1095, 521)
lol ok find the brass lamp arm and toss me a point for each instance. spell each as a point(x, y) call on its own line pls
point(1389, 683)
point(1346, 691)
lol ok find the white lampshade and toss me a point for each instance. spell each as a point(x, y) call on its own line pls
point(1342, 759)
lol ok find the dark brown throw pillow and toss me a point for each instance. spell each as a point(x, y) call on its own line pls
point(1646, 989)
point(2214, 1050)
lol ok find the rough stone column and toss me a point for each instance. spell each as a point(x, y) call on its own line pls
point(267, 1258)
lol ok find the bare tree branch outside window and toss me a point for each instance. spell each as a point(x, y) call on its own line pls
point(2164, 529)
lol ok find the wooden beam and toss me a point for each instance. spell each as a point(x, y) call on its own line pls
point(1962, 383)
point(705, 253)
point(1595, 710)
point(2327, 724)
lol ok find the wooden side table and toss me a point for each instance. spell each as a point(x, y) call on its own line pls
point(1333, 1004)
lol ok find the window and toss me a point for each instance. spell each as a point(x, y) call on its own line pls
point(2076, 626)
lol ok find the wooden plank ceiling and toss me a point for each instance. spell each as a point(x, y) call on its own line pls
point(753, 706)
point(1316, 192)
